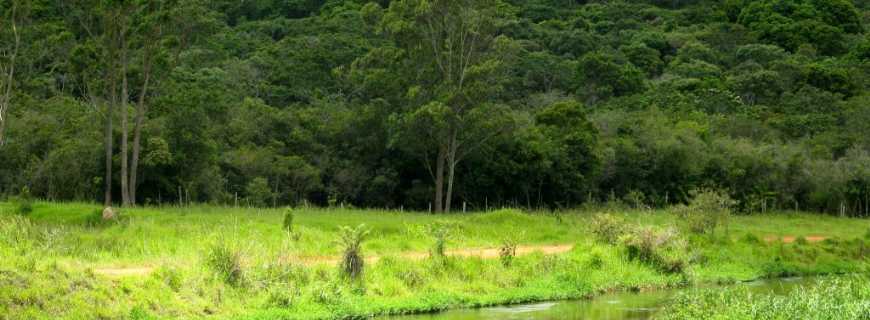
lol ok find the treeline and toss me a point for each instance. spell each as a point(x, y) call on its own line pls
point(432, 103)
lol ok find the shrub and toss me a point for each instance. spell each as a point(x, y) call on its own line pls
point(288, 220)
point(608, 228)
point(350, 239)
point(171, 277)
point(801, 240)
point(635, 199)
point(708, 210)
point(751, 238)
point(507, 252)
point(662, 249)
point(24, 202)
point(440, 232)
point(226, 262)
point(95, 219)
point(595, 261)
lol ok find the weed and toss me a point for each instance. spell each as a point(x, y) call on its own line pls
point(226, 262)
point(288, 220)
point(171, 277)
point(350, 240)
point(96, 220)
point(708, 210)
point(440, 232)
point(750, 238)
point(608, 228)
point(635, 199)
point(507, 252)
point(801, 241)
point(662, 249)
point(279, 296)
point(595, 261)
point(139, 313)
point(24, 202)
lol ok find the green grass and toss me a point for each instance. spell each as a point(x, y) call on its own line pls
point(839, 298)
point(47, 260)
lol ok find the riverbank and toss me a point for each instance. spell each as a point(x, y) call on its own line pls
point(51, 260)
point(842, 298)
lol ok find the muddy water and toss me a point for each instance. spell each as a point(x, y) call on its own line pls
point(614, 306)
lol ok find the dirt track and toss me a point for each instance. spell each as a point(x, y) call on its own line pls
point(486, 253)
point(790, 239)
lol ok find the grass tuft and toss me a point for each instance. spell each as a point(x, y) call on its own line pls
point(226, 262)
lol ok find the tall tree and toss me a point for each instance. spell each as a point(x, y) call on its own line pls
point(453, 60)
point(163, 29)
point(9, 50)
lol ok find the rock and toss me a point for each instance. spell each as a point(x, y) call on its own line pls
point(108, 213)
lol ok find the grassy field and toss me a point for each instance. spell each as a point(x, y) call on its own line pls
point(61, 261)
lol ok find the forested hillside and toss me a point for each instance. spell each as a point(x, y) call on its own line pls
point(540, 103)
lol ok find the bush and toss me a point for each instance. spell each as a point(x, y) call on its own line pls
point(440, 232)
point(751, 238)
point(636, 200)
point(596, 261)
point(226, 262)
point(708, 210)
point(288, 220)
point(662, 249)
point(608, 228)
point(350, 239)
point(507, 252)
point(24, 202)
point(801, 240)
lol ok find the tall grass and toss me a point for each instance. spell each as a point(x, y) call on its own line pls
point(846, 298)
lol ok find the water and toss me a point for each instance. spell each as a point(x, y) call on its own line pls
point(614, 306)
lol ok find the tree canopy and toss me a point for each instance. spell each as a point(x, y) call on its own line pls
point(428, 103)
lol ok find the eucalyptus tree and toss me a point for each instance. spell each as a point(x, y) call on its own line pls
point(10, 47)
point(451, 60)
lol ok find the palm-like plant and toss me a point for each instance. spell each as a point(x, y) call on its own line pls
point(351, 240)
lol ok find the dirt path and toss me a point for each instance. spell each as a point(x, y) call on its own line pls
point(790, 239)
point(123, 272)
point(485, 253)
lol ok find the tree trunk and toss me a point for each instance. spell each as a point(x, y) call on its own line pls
point(125, 192)
point(107, 199)
point(451, 170)
point(137, 134)
point(2, 130)
point(6, 99)
point(439, 179)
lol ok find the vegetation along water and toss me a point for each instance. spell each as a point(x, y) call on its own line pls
point(66, 261)
point(346, 159)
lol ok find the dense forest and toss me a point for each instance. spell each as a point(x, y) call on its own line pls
point(434, 103)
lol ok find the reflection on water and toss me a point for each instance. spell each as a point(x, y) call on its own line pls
point(614, 306)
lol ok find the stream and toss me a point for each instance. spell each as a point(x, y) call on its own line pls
point(612, 306)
